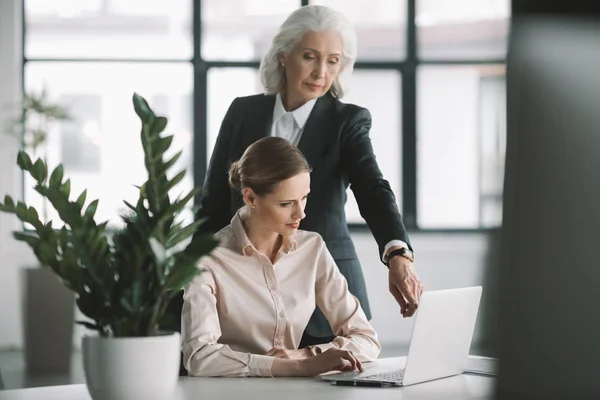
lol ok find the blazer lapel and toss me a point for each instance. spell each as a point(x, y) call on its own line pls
point(314, 138)
point(259, 121)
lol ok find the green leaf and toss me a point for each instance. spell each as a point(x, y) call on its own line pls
point(141, 108)
point(201, 246)
point(174, 181)
point(159, 125)
point(8, 202)
point(81, 200)
point(24, 161)
point(158, 250)
point(137, 294)
point(90, 211)
point(181, 275)
point(160, 146)
point(167, 165)
point(31, 238)
point(180, 204)
point(88, 325)
point(39, 171)
point(183, 234)
point(57, 176)
point(127, 305)
point(66, 188)
point(129, 205)
point(87, 305)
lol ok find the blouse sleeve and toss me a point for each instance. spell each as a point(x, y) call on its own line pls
point(200, 330)
point(343, 311)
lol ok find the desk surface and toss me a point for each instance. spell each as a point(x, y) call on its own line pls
point(462, 387)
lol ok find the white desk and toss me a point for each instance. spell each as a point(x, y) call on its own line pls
point(463, 387)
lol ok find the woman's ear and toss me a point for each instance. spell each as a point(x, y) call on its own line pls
point(249, 197)
point(282, 58)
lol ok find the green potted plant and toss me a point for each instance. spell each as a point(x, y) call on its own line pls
point(48, 307)
point(125, 282)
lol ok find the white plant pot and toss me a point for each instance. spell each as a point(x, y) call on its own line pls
point(132, 368)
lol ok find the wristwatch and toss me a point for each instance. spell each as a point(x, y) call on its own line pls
point(404, 252)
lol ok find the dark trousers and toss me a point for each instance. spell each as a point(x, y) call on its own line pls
point(308, 340)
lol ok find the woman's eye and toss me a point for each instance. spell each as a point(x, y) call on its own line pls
point(333, 62)
point(308, 57)
point(284, 204)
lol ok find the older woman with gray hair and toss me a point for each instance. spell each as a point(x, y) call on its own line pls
point(304, 75)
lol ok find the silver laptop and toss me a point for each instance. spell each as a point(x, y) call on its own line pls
point(439, 347)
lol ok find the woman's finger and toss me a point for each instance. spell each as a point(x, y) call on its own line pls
point(350, 357)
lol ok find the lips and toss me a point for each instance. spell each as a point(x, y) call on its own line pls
point(294, 226)
point(313, 86)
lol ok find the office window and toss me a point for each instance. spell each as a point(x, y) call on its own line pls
point(441, 146)
point(111, 162)
point(460, 145)
point(386, 136)
point(81, 137)
point(462, 29)
point(224, 85)
point(380, 26)
point(241, 29)
point(111, 29)
point(492, 148)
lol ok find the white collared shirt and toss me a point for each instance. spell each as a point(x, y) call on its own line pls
point(290, 125)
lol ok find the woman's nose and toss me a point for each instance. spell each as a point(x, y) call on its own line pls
point(319, 70)
point(299, 213)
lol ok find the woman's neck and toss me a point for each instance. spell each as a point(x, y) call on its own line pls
point(290, 103)
point(264, 240)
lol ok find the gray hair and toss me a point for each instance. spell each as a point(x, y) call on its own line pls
point(312, 18)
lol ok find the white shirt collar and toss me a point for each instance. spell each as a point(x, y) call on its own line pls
point(300, 114)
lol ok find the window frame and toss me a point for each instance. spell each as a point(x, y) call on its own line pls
point(407, 68)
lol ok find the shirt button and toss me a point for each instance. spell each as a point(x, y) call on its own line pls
point(273, 287)
point(282, 314)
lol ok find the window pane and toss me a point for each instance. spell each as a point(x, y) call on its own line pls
point(130, 29)
point(471, 29)
point(100, 146)
point(386, 132)
point(461, 146)
point(224, 85)
point(380, 26)
point(241, 29)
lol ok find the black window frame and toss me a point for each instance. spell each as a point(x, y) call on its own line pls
point(407, 68)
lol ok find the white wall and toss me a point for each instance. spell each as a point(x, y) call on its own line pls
point(443, 261)
point(12, 254)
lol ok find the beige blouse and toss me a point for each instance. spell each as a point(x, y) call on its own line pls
point(243, 305)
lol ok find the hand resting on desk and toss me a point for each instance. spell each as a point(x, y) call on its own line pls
point(329, 360)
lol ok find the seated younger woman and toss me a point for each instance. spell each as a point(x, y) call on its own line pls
point(245, 314)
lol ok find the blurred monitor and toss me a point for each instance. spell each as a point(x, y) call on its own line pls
point(549, 280)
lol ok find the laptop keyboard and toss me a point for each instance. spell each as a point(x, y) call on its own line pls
point(479, 365)
point(388, 376)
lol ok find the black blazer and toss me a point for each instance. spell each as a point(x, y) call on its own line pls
point(336, 143)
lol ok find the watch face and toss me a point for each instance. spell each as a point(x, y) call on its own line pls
point(408, 254)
